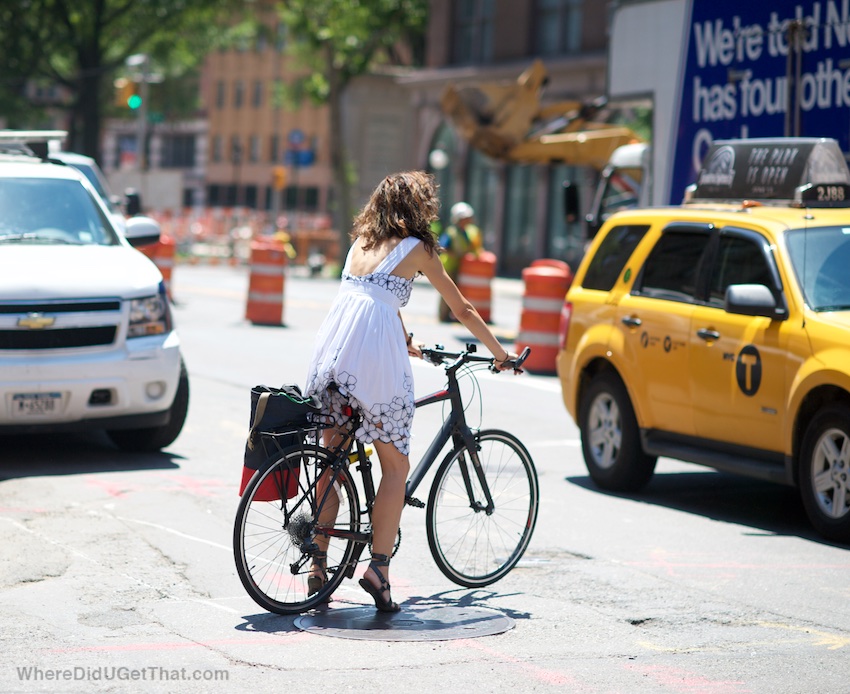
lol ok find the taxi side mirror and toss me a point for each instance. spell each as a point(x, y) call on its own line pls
point(753, 300)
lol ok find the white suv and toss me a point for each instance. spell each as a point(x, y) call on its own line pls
point(86, 334)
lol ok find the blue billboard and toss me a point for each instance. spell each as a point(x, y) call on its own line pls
point(761, 69)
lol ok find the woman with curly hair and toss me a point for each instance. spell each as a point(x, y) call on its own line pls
point(361, 358)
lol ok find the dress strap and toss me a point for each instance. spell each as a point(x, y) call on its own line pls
point(397, 254)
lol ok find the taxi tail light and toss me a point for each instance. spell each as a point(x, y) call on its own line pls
point(564, 323)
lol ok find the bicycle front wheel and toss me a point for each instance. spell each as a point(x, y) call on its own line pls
point(475, 539)
point(276, 539)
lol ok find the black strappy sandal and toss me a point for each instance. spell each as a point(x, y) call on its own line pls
point(381, 604)
point(316, 583)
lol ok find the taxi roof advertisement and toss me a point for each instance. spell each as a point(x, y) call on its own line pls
point(736, 76)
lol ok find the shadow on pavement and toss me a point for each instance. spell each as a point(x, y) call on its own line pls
point(36, 455)
point(768, 508)
point(467, 597)
point(269, 623)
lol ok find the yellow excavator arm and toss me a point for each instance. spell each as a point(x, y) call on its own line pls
point(507, 122)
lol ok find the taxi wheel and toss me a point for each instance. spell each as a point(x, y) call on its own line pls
point(825, 472)
point(610, 439)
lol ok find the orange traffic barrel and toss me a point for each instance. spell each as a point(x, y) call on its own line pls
point(474, 279)
point(545, 288)
point(551, 262)
point(164, 260)
point(266, 282)
point(162, 254)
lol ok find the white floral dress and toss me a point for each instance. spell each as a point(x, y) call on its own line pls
point(362, 349)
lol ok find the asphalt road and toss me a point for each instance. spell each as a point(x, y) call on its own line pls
point(117, 572)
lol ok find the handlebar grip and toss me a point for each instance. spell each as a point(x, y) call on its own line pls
point(522, 357)
point(515, 364)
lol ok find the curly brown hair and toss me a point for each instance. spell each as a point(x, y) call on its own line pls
point(404, 204)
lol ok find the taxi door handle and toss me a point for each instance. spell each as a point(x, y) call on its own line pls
point(631, 321)
point(708, 335)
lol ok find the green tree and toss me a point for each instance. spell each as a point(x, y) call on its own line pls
point(82, 45)
point(337, 40)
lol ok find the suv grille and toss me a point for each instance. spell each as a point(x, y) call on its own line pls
point(13, 336)
point(57, 339)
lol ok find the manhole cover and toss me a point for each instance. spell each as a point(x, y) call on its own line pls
point(411, 624)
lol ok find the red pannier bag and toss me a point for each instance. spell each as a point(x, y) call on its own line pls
point(283, 411)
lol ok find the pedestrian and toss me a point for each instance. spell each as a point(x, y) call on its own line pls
point(362, 352)
point(462, 236)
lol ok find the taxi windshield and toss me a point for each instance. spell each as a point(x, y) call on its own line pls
point(821, 259)
point(51, 211)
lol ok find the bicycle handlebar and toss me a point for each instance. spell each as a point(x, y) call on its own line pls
point(439, 356)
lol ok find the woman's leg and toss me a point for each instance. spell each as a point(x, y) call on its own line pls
point(389, 502)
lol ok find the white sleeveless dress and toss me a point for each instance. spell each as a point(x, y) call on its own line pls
point(361, 347)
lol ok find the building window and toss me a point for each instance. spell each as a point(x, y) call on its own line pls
point(473, 32)
point(257, 98)
point(254, 148)
point(482, 188)
point(217, 148)
point(178, 152)
point(219, 94)
point(281, 38)
point(520, 228)
point(558, 27)
point(235, 150)
point(238, 94)
point(274, 149)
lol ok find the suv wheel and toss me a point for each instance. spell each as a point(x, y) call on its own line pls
point(155, 438)
point(825, 472)
point(609, 437)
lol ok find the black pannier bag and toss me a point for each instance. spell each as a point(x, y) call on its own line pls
point(275, 409)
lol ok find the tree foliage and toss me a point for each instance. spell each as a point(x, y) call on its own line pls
point(82, 46)
point(338, 40)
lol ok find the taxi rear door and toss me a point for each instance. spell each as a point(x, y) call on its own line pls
point(653, 324)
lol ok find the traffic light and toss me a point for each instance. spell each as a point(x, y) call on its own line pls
point(278, 178)
point(127, 94)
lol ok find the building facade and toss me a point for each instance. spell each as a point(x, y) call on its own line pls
point(519, 207)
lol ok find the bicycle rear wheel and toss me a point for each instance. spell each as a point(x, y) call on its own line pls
point(275, 541)
point(474, 545)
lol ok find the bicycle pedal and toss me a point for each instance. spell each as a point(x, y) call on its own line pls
point(412, 501)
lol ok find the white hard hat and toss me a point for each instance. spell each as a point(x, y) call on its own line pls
point(461, 210)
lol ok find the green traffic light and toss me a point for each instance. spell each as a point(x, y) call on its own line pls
point(134, 101)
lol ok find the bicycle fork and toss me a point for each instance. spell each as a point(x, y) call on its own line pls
point(469, 456)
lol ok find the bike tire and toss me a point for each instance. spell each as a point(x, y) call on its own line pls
point(273, 541)
point(471, 547)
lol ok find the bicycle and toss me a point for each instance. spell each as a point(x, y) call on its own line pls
point(480, 514)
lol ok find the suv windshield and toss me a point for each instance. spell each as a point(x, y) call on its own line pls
point(51, 211)
point(821, 259)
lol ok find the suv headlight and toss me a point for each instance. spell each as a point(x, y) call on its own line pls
point(150, 315)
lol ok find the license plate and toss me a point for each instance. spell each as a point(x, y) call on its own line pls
point(35, 404)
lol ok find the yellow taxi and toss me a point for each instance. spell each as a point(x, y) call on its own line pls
point(718, 332)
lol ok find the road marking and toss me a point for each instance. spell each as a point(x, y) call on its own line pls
point(832, 641)
point(166, 529)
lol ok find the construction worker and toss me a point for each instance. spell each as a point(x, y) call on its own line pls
point(462, 236)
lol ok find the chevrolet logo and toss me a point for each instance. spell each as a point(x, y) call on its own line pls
point(36, 321)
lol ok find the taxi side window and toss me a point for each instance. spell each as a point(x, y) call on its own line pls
point(612, 255)
point(672, 268)
point(739, 261)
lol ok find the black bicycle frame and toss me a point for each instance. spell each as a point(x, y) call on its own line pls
point(454, 429)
